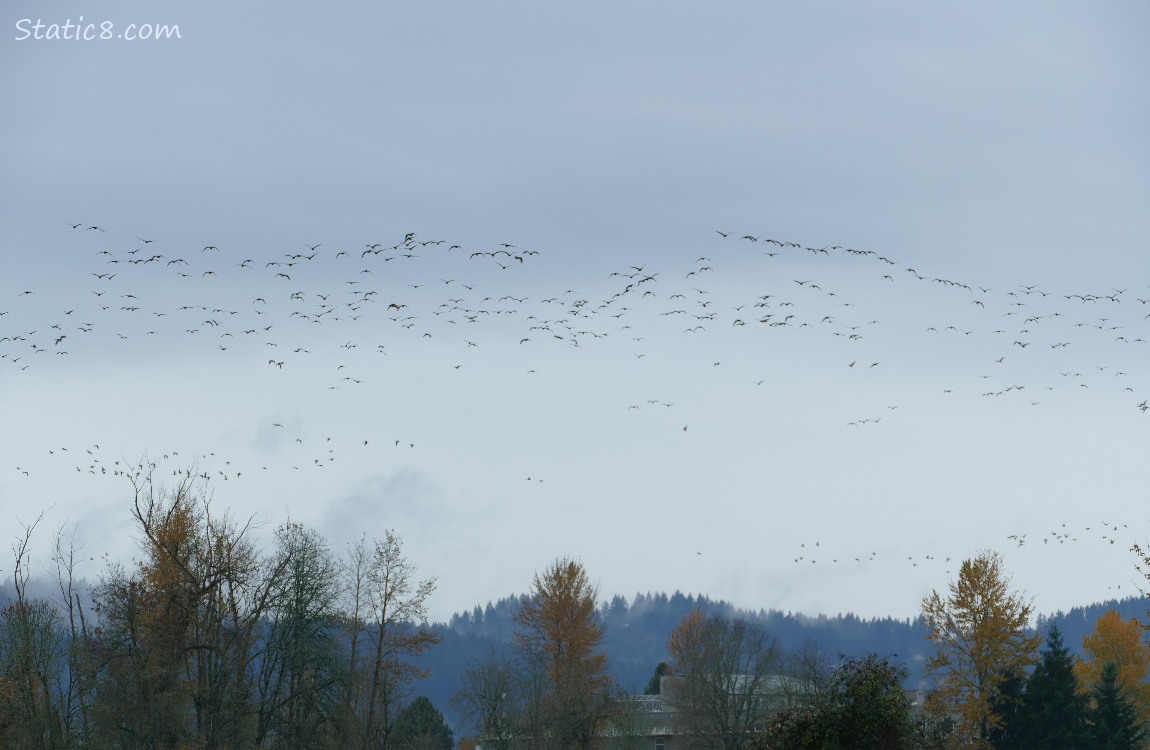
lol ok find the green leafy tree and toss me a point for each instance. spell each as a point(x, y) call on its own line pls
point(864, 707)
point(980, 633)
point(1112, 719)
point(868, 707)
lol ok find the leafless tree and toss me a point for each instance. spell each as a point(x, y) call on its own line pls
point(35, 693)
point(724, 672)
point(386, 607)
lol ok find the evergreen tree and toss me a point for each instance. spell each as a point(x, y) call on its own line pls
point(1008, 705)
point(421, 726)
point(1119, 640)
point(1054, 714)
point(655, 684)
point(1112, 720)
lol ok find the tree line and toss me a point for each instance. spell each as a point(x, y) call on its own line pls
point(996, 686)
point(729, 684)
point(208, 642)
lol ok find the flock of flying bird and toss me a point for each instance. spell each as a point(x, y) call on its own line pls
point(358, 309)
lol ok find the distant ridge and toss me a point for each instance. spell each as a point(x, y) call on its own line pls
point(637, 633)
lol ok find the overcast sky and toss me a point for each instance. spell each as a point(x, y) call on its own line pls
point(459, 270)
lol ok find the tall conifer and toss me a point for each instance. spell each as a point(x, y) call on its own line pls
point(1054, 710)
point(1112, 720)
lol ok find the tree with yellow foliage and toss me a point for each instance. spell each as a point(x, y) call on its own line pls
point(178, 630)
point(561, 634)
point(980, 630)
point(1120, 642)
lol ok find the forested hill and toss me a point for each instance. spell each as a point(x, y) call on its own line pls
point(1078, 622)
point(637, 633)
